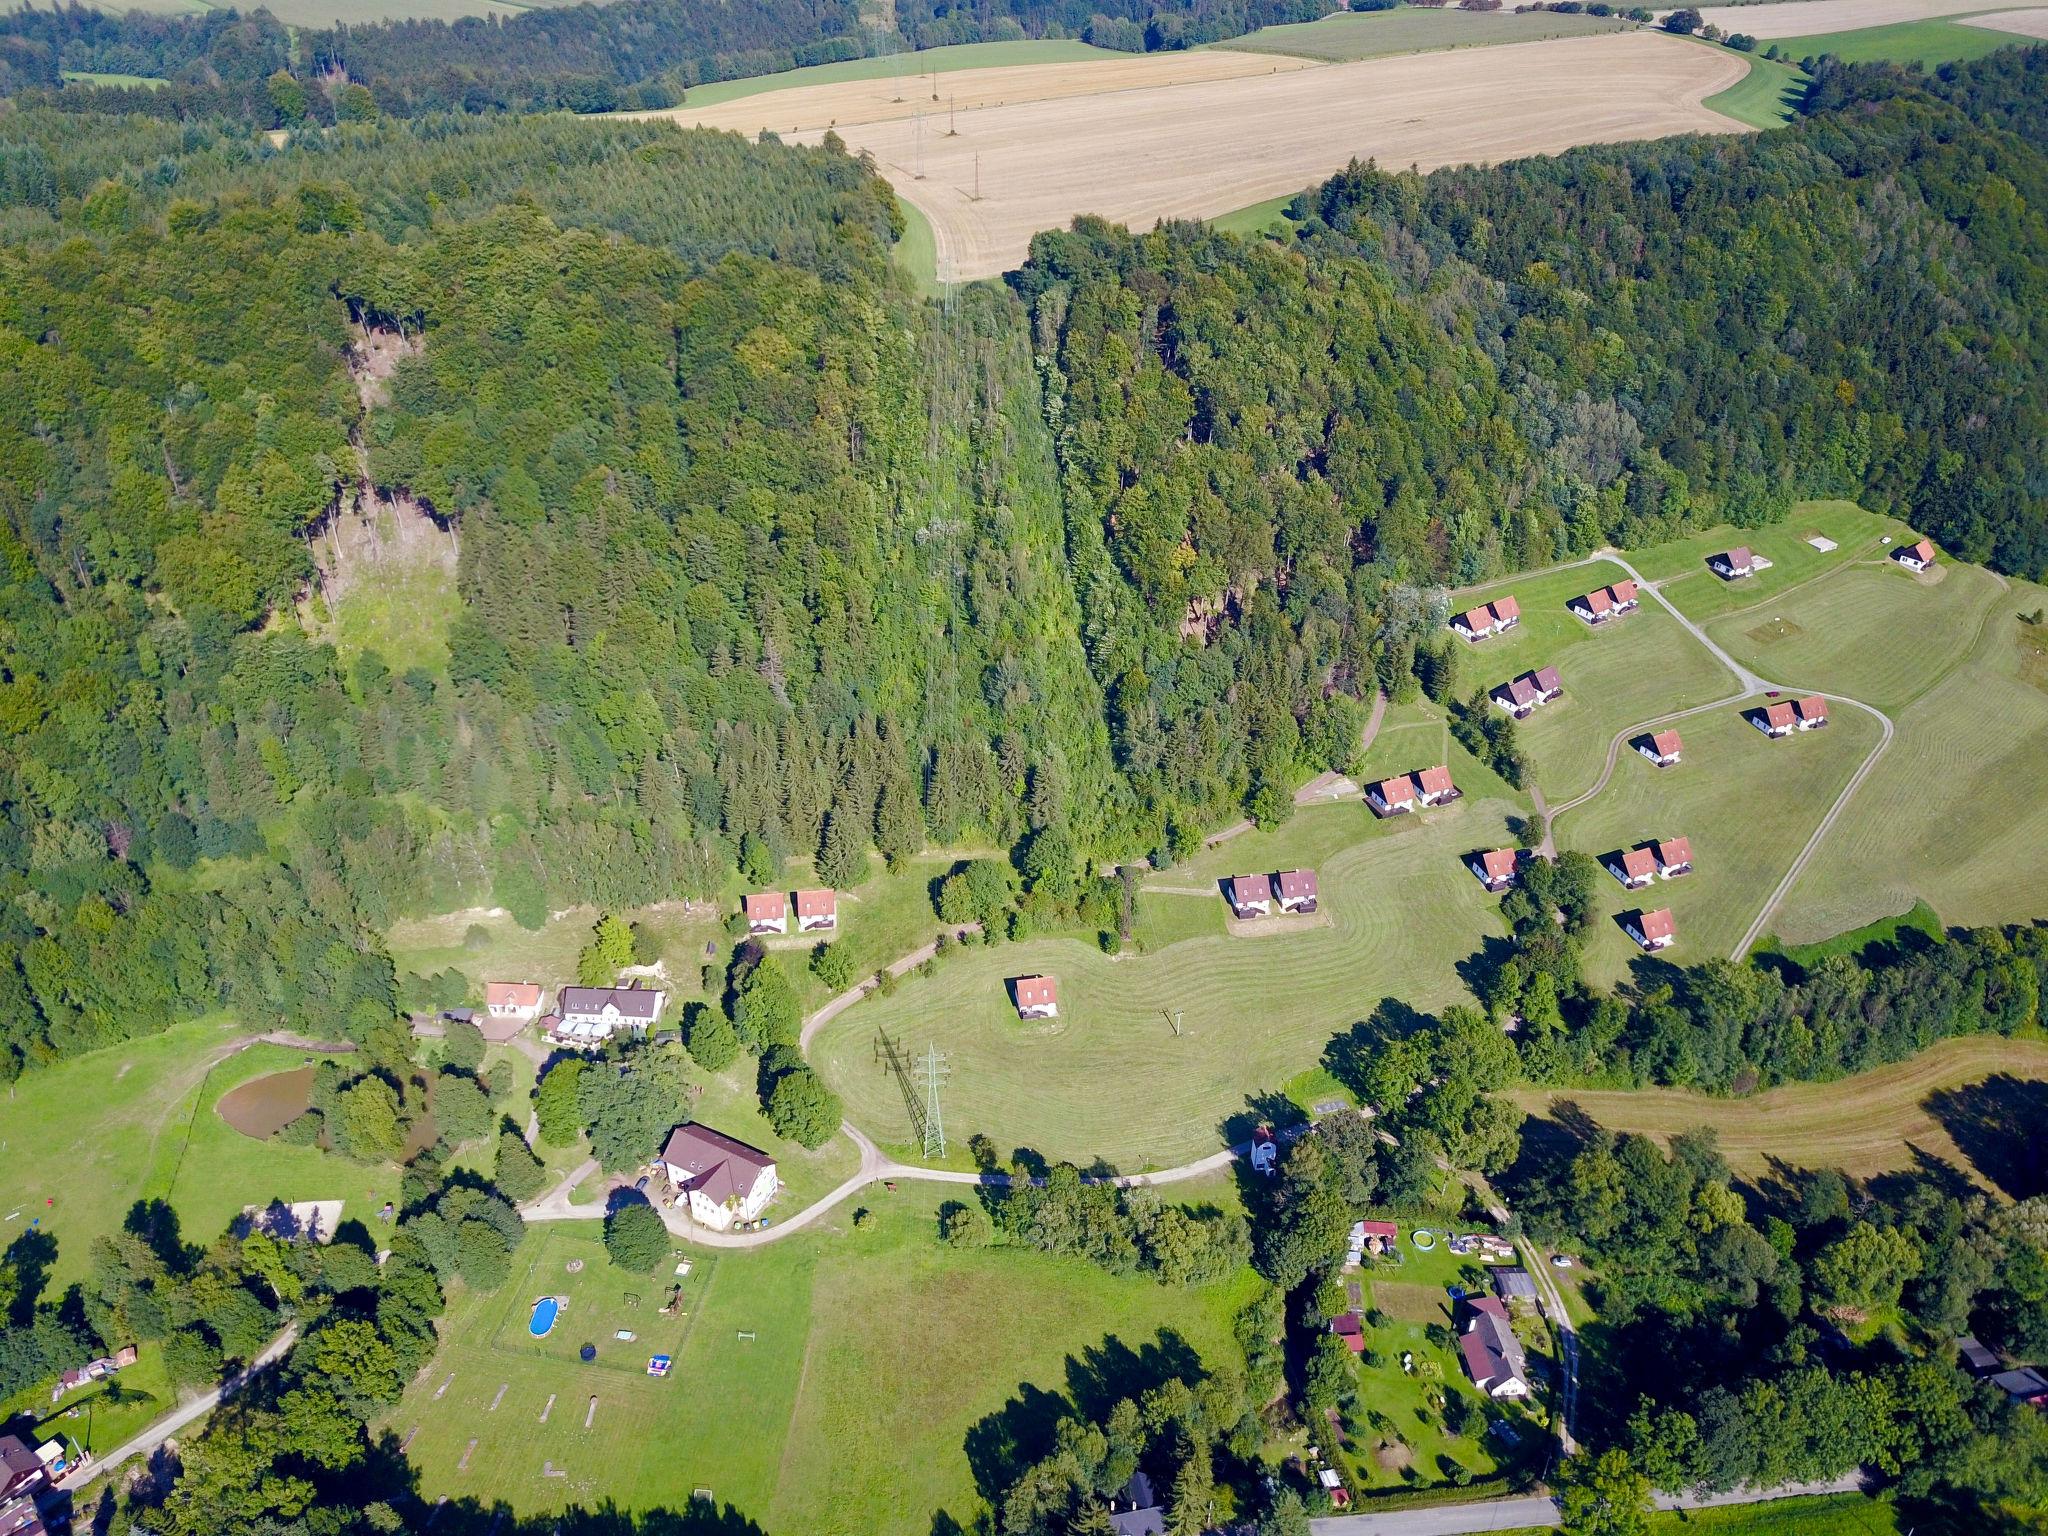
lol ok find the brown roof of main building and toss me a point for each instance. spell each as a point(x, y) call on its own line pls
point(1657, 924)
point(1435, 781)
point(765, 906)
point(1638, 863)
point(1667, 744)
point(1037, 992)
point(1674, 850)
point(713, 1163)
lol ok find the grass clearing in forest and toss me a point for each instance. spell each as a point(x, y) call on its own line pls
point(1747, 803)
point(1793, 18)
point(1969, 723)
point(97, 1132)
point(904, 68)
point(146, 82)
point(1347, 35)
point(1153, 1052)
point(1687, 584)
point(874, 1353)
point(1872, 1123)
point(1615, 675)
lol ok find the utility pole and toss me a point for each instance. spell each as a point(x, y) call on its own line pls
point(934, 1070)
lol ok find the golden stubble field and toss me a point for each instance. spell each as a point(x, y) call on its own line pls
point(2032, 23)
point(1138, 153)
point(810, 108)
point(1808, 18)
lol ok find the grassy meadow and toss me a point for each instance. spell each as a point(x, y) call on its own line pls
point(1747, 803)
point(1110, 1077)
point(1927, 43)
point(1680, 567)
point(96, 1133)
point(874, 1353)
point(906, 65)
point(1837, 1514)
point(1347, 35)
point(1397, 1435)
point(1615, 676)
point(1972, 731)
point(1766, 97)
point(1875, 1122)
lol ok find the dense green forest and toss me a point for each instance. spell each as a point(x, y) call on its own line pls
point(585, 58)
point(760, 559)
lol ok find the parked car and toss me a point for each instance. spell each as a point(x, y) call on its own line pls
point(1562, 1260)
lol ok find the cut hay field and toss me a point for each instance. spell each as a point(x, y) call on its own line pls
point(1748, 805)
point(1347, 35)
point(1110, 1077)
point(98, 1132)
point(1972, 718)
point(1626, 671)
point(1798, 18)
point(1204, 148)
point(1872, 1123)
point(1767, 97)
point(875, 1354)
point(1680, 567)
point(880, 98)
point(2032, 23)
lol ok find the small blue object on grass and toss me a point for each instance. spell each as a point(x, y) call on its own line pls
point(543, 1320)
point(657, 1365)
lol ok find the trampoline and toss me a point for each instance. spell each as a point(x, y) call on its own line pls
point(542, 1322)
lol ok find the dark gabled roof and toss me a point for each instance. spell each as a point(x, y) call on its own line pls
point(713, 1163)
point(631, 1002)
point(1547, 679)
point(1297, 884)
point(1249, 890)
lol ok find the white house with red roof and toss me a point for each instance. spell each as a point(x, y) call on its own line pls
point(1251, 896)
point(1475, 624)
point(1915, 557)
point(1495, 868)
point(509, 1006)
point(1633, 867)
point(1604, 603)
point(1393, 797)
point(1736, 563)
point(1779, 719)
point(1674, 857)
point(1653, 930)
point(1811, 712)
point(1434, 787)
point(817, 911)
point(1661, 747)
point(1038, 997)
point(724, 1181)
point(766, 912)
point(1296, 889)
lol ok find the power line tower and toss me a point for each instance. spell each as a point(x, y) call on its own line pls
point(933, 1070)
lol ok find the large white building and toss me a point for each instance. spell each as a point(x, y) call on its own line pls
point(724, 1181)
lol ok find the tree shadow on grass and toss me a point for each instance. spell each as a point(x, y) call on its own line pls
point(1002, 1445)
point(1997, 1124)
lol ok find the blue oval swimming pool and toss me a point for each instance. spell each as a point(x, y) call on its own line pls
point(543, 1320)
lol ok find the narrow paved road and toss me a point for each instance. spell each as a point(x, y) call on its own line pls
point(1752, 685)
point(167, 1426)
point(1541, 1511)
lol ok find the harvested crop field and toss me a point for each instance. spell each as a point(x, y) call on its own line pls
point(1142, 154)
point(892, 98)
point(2032, 23)
point(1872, 1123)
point(1376, 34)
point(1799, 18)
